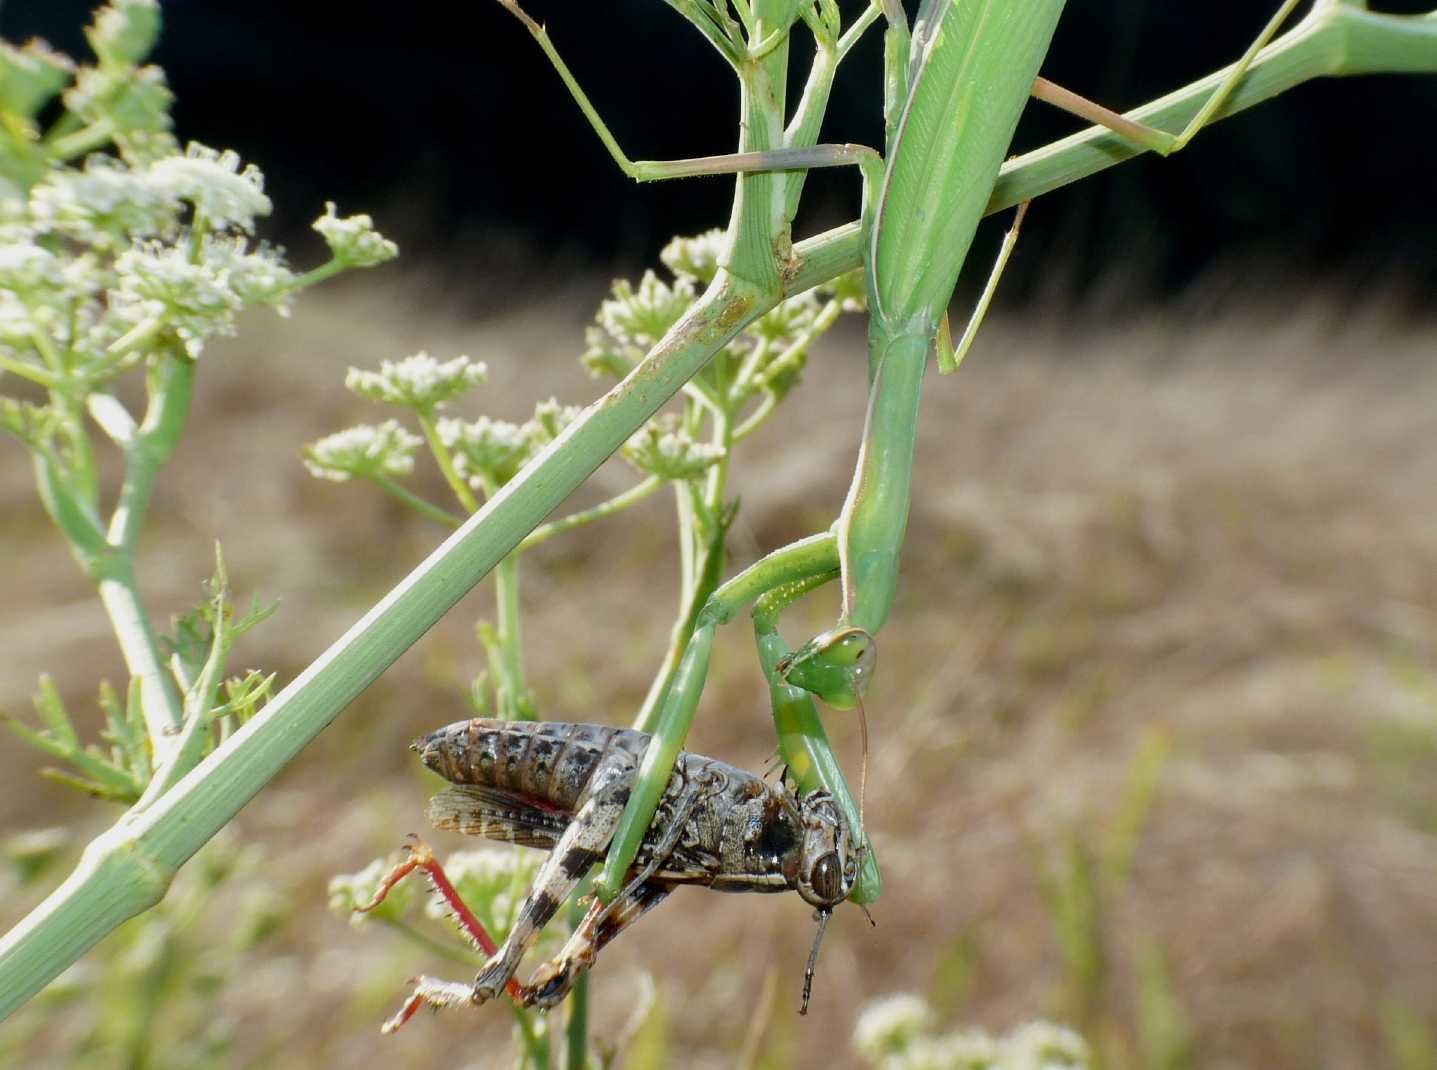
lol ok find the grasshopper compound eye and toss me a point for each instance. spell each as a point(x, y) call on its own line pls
point(827, 878)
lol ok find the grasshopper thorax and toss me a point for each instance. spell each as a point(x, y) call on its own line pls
point(828, 863)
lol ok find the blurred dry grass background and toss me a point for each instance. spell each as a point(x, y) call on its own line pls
point(1211, 527)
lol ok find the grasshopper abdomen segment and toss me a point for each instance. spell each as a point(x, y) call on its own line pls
point(550, 764)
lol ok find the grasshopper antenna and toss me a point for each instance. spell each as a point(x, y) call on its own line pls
point(822, 916)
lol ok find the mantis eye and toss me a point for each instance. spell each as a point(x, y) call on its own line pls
point(827, 878)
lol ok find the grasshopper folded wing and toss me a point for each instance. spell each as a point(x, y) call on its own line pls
point(497, 815)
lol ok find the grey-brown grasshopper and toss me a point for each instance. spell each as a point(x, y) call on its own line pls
point(562, 787)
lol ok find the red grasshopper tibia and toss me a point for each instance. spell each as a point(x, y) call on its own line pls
point(427, 990)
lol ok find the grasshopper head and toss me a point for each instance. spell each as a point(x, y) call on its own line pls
point(828, 863)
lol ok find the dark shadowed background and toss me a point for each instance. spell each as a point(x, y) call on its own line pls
point(445, 121)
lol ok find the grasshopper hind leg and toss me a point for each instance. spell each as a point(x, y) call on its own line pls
point(583, 842)
point(553, 980)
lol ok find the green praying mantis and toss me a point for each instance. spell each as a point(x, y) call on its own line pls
point(955, 83)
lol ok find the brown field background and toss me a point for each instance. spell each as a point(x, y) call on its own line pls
point(1210, 526)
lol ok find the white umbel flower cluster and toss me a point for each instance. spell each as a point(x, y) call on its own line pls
point(663, 448)
point(224, 193)
point(640, 317)
point(363, 452)
point(894, 1033)
point(891, 1024)
point(487, 453)
point(105, 204)
point(418, 382)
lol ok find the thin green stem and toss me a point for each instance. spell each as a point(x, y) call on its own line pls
point(328, 270)
point(756, 418)
point(755, 359)
point(712, 23)
point(171, 388)
point(445, 460)
point(512, 694)
point(136, 338)
point(535, 1047)
point(423, 506)
point(81, 472)
point(860, 25)
point(32, 372)
point(716, 480)
point(45, 345)
point(688, 543)
point(140, 647)
point(691, 600)
point(798, 349)
point(617, 503)
point(87, 139)
point(576, 1029)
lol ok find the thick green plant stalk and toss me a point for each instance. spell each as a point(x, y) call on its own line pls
point(129, 867)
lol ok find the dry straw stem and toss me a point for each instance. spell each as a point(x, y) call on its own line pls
point(127, 869)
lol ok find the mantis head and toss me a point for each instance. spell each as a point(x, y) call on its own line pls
point(836, 666)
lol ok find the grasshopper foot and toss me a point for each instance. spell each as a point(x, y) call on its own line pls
point(494, 978)
point(553, 980)
point(429, 991)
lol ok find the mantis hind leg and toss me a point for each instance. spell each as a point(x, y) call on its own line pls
point(1150, 137)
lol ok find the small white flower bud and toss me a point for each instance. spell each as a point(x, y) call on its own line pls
point(212, 181)
point(696, 257)
point(353, 241)
point(642, 316)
